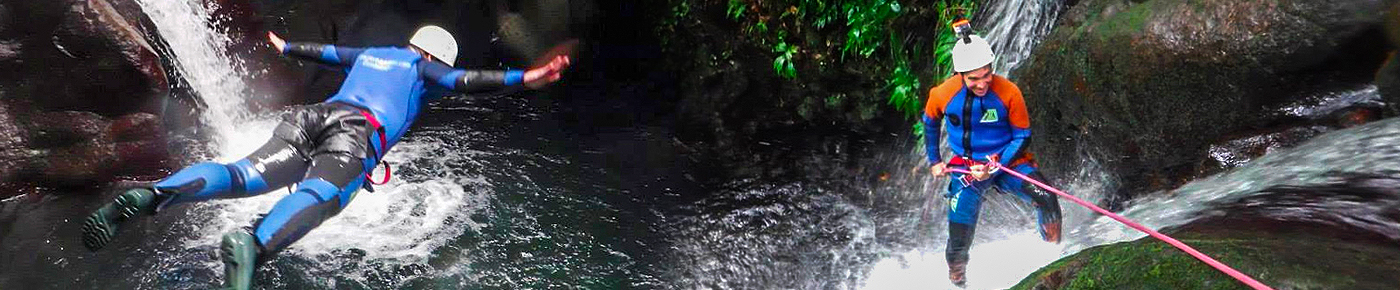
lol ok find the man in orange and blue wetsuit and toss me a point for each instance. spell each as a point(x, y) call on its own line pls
point(986, 120)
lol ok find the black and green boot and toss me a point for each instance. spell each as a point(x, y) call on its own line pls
point(101, 226)
point(239, 251)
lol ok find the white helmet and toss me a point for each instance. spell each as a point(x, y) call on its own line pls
point(971, 55)
point(436, 42)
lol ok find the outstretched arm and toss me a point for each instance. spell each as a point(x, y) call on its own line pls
point(323, 53)
point(478, 81)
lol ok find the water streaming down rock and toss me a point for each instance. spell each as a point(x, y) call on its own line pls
point(200, 52)
point(1014, 27)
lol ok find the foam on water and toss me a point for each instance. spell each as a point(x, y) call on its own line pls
point(994, 265)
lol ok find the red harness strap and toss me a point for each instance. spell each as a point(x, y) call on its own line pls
point(960, 161)
point(383, 142)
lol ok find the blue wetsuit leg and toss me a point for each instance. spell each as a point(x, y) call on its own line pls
point(1047, 205)
point(328, 188)
point(964, 202)
point(274, 165)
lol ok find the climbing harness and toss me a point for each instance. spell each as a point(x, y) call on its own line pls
point(378, 155)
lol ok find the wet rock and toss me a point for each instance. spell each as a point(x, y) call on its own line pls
point(1388, 77)
point(1306, 118)
point(1146, 86)
point(1388, 82)
point(1284, 259)
point(1339, 234)
point(66, 69)
point(14, 152)
point(84, 55)
point(76, 149)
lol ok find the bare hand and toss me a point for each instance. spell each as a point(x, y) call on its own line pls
point(938, 169)
point(981, 172)
point(539, 77)
point(277, 42)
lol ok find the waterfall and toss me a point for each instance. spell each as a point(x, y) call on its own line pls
point(1014, 27)
point(199, 50)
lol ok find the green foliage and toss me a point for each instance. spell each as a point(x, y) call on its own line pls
point(868, 22)
point(816, 13)
point(902, 83)
point(680, 9)
point(783, 63)
point(870, 32)
point(736, 9)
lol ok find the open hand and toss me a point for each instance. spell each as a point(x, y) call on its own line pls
point(277, 42)
point(540, 76)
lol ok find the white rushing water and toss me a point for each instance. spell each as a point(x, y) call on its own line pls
point(200, 55)
point(1014, 27)
point(401, 222)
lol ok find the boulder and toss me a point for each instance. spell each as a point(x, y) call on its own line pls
point(1145, 86)
point(67, 68)
point(1287, 237)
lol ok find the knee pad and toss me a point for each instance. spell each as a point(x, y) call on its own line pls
point(314, 201)
point(209, 180)
point(202, 181)
point(1047, 205)
point(250, 181)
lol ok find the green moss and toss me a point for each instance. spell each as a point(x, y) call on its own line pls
point(1290, 261)
point(1128, 22)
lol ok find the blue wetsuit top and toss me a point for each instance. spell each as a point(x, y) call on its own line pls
point(978, 126)
point(390, 81)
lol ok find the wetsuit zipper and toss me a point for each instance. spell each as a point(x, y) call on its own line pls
point(967, 126)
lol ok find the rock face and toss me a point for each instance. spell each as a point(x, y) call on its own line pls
point(1286, 237)
point(1388, 77)
point(80, 80)
point(80, 55)
point(1145, 86)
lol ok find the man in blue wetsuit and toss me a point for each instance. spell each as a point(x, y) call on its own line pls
point(325, 151)
point(987, 122)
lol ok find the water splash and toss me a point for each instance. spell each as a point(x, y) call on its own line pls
point(405, 221)
point(994, 265)
point(200, 50)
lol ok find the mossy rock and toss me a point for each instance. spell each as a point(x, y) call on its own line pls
point(1293, 261)
point(1147, 86)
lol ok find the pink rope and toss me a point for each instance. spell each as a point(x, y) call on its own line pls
point(1178, 244)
